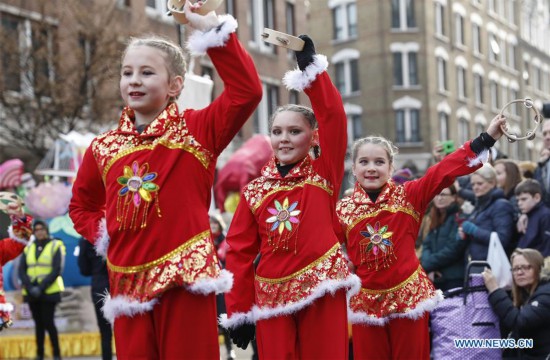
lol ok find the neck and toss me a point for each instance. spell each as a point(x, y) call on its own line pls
point(147, 118)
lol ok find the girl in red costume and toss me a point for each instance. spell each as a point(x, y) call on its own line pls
point(143, 191)
point(296, 296)
point(381, 221)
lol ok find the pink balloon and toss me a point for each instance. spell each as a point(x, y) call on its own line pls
point(48, 200)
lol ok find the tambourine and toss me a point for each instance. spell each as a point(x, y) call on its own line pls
point(281, 39)
point(175, 9)
point(530, 135)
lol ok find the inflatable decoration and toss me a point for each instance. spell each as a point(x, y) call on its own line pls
point(48, 200)
point(10, 173)
point(11, 203)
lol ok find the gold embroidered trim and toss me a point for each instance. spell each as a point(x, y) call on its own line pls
point(140, 268)
point(287, 188)
point(388, 209)
point(300, 272)
point(413, 276)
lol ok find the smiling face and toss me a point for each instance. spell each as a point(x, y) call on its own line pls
point(480, 186)
point(372, 167)
point(291, 137)
point(145, 84)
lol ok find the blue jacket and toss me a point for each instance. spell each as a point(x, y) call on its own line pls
point(537, 235)
point(442, 251)
point(492, 212)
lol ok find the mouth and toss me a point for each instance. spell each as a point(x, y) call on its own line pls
point(136, 94)
point(371, 178)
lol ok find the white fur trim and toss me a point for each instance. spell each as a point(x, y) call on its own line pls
point(102, 242)
point(327, 286)
point(7, 307)
point(419, 311)
point(299, 80)
point(221, 284)
point(124, 306)
point(236, 320)
point(201, 41)
point(481, 158)
point(16, 238)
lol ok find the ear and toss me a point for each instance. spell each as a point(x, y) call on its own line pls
point(176, 86)
point(537, 197)
point(315, 138)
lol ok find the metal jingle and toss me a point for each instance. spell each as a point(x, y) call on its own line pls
point(538, 119)
point(531, 135)
point(512, 140)
point(528, 102)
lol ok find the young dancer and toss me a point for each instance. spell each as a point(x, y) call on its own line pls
point(381, 222)
point(296, 295)
point(143, 191)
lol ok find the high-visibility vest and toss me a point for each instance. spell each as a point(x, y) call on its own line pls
point(38, 269)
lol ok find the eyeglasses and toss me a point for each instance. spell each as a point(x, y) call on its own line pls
point(522, 268)
point(444, 195)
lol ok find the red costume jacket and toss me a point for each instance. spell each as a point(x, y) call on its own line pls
point(381, 241)
point(291, 221)
point(10, 248)
point(154, 188)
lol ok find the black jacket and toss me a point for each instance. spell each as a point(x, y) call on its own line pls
point(531, 321)
point(91, 264)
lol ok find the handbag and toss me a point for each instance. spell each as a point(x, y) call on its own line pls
point(500, 265)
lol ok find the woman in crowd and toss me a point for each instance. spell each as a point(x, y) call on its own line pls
point(527, 314)
point(442, 253)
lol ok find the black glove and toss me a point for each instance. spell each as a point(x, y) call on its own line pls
point(242, 335)
point(305, 57)
point(35, 292)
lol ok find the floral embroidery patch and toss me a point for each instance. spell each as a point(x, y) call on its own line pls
point(283, 215)
point(376, 247)
point(137, 187)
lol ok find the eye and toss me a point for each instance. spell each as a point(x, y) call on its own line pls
point(147, 72)
point(126, 73)
point(276, 132)
point(363, 162)
point(295, 131)
point(380, 162)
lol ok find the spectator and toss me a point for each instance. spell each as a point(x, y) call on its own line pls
point(442, 253)
point(40, 273)
point(492, 213)
point(527, 314)
point(537, 234)
point(542, 172)
point(527, 169)
point(94, 265)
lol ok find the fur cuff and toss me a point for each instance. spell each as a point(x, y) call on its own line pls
point(201, 41)
point(299, 80)
point(221, 284)
point(102, 242)
point(124, 306)
point(482, 158)
point(236, 320)
point(15, 237)
point(351, 283)
point(416, 313)
point(7, 307)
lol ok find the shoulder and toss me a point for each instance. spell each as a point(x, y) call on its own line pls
point(344, 203)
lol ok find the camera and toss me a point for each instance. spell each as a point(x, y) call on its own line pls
point(448, 146)
point(546, 110)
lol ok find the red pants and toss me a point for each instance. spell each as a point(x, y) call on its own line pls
point(318, 331)
point(401, 338)
point(181, 325)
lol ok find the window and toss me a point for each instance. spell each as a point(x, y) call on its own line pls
point(266, 108)
point(11, 52)
point(463, 130)
point(293, 97)
point(443, 125)
point(290, 18)
point(478, 88)
point(156, 7)
point(514, 95)
point(262, 16)
point(493, 88)
point(476, 38)
point(344, 19)
point(355, 126)
point(459, 29)
point(439, 18)
point(402, 14)
point(526, 65)
point(346, 65)
point(407, 120)
point(461, 82)
point(494, 48)
point(230, 8)
point(512, 55)
point(441, 74)
point(405, 68)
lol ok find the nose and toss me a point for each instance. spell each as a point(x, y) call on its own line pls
point(135, 80)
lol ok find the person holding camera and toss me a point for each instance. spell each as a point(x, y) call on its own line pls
point(40, 273)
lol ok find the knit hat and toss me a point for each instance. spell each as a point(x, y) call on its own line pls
point(402, 175)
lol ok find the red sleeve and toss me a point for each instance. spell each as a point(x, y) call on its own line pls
point(87, 206)
point(216, 125)
point(244, 245)
point(9, 250)
point(329, 111)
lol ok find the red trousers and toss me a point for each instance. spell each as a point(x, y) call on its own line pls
point(181, 325)
point(401, 338)
point(318, 331)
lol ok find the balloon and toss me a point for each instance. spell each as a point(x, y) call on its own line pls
point(48, 200)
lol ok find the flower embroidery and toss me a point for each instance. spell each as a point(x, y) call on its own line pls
point(376, 239)
point(283, 215)
point(137, 180)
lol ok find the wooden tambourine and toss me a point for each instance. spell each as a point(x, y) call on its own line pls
point(175, 8)
point(281, 39)
point(530, 135)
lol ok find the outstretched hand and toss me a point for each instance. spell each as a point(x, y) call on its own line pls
point(305, 56)
point(243, 335)
point(494, 130)
point(197, 21)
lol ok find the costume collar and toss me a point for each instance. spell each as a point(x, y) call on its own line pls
point(302, 169)
point(361, 197)
point(156, 128)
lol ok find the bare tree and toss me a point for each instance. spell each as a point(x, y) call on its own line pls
point(58, 72)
